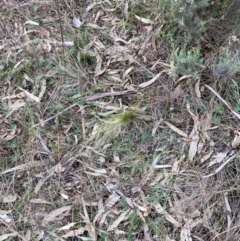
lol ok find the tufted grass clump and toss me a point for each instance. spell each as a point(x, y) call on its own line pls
point(111, 127)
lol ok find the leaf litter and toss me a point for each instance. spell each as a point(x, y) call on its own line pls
point(135, 179)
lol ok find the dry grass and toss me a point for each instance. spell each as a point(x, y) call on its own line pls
point(99, 141)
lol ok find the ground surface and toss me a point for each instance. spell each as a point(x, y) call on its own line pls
point(111, 125)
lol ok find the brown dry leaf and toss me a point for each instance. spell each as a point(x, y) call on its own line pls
point(89, 226)
point(43, 89)
point(218, 158)
point(96, 172)
point(194, 135)
point(111, 201)
point(173, 221)
point(125, 74)
point(19, 95)
point(171, 65)
point(228, 211)
point(197, 89)
point(236, 140)
point(207, 156)
point(44, 179)
point(8, 199)
point(26, 166)
point(39, 200)
point(7, 135)
point(147, 83)
point(6, 236)
point(182, 78)
point(156, 127)
point(176, 166)
point(31, 23)
point(147, 235)
point(175, 129)
point(205, 123)
point(98, 71)
point(66, 227)
point(169, 218)
point(26, 77)
point(116, 50)
point(186, 229)
point(52, 215)
point(99, 45)
point(193, 147)
point(144, 20)
point(30, 96)
point(74, 233)
point(40, 236)
point(115, 224)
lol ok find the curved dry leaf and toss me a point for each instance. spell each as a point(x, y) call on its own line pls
point(154, 130)
point(218, 158)
point(66, 227)
point(43, 89)
point(26, 166)
point(52, 215)
point(236, 140)
point(31, 22)
point(159, 209)
point(8, 135)
point(197, 89)
point(39, 200)
point(170, 219)
point(115, 224)
point(19, 95)
point(30, 96)
point(175, 129)
point(207, 156)
point(147, 83)
point(74, 233)
point(111, 201)
point(144, 20)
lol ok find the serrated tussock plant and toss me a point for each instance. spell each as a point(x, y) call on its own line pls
point(110, 128)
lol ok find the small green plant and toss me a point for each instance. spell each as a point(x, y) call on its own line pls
point(187, 63)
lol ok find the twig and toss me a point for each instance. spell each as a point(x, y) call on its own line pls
point(224, 102)
point(52, 117)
